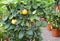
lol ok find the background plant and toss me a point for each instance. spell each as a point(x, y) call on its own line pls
point(54, 16)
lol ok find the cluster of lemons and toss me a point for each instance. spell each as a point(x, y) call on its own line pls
point(23, 12)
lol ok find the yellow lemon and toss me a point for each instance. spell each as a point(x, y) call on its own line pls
point(24, 12)
point(13, 21)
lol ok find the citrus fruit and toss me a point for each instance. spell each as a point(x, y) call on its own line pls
point(24, 12)
point(13, 21)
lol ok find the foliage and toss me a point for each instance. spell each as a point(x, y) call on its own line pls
point(22, 26)
point(43, 5)
point(21, 18)
point(54, 16)
point(55, 19)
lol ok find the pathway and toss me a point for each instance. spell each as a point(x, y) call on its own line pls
point(47, 36)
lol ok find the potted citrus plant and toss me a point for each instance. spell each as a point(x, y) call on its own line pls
point(21, 21)
point(55, 31)
point(48, 20)
point(55, 23)
point(57, 5)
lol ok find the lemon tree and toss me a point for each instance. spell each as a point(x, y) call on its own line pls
point(21, 20)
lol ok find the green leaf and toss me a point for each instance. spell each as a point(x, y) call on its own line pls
point(11, 27)
point(5, 18)
point(30, 32)
point(10, 17)
point(39, 23)
point(29, 36)
point(34, 6)
point(22, 23)
point(4, 2)
point(36, 17)
point(7, 26)
point(18, 21)
point(1, 35)
point(21, 34)
point(14, 13)
point(38, 0)
point(17, 29)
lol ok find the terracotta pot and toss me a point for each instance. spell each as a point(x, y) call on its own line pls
point(55, 32)
point(56, 7)
point(7, 39)
point(48, 26)
point(59, 7)
point(59, 31)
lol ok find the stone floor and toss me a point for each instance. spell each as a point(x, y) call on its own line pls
point(47, 36)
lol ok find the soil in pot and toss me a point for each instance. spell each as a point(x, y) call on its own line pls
point(55, 32)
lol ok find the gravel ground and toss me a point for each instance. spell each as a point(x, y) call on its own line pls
point(47, 36)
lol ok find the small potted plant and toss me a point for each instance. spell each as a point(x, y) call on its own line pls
point(49, 18)
point(48, 23)
point(58, 22)
point(55, 24)
point(55, 30)
point(59, 4)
